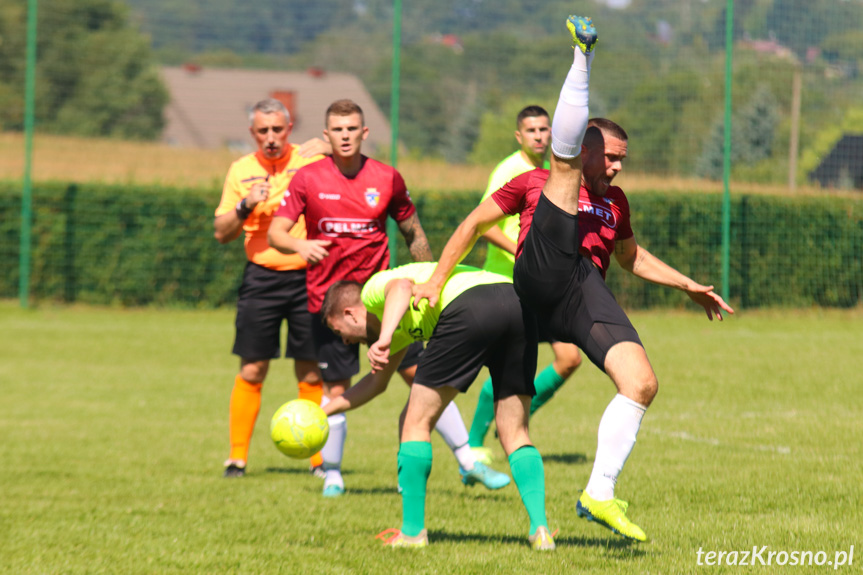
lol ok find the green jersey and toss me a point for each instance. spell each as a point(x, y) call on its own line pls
point(418, 325)
point(498, 260)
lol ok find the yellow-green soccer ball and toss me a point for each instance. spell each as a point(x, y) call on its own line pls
point(299, 428)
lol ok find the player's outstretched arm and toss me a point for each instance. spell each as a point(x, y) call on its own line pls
point(397, 298)
point(415, 238)
point(640, 262)
point(279, 237)
point(368, 388)
point(712, 302)
point(477, 223)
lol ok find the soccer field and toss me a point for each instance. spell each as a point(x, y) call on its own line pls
point(114, 425)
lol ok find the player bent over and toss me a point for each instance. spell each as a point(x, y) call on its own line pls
point(477, 322)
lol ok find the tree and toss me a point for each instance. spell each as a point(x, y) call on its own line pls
point(94, 74)
point(753, 131)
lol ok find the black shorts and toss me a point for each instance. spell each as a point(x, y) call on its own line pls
point(545, 334)
point(485, 325)
point(266, 298)
point(338, 360)
point(565, 290)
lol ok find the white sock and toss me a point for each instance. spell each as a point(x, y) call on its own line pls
point(334, 448)
point(465, 457)
point(618, 429)
point(451, 427)
point(571, 115)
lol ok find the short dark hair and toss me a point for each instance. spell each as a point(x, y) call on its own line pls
point(530, 112)
point(344, 107)
point(340, 295)
point(599, 127)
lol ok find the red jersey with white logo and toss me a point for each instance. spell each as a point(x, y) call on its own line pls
point(350, 212)
point(601, 219)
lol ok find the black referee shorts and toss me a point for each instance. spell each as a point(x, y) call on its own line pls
point(485, 325)
point(266, 298)
point(565, 290)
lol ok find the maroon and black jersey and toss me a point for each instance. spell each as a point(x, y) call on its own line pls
point(601, 219)
point(350, 212)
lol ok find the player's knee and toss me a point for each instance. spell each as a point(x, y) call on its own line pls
point(408, 374)
point(567, 361)
point(513, 437)
point(254, 371)
point(648, 387)
point(336, 388)
point(308, 371)
point(639, 385)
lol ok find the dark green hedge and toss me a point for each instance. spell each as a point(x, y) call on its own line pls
point(132, 245)
point(122, 245)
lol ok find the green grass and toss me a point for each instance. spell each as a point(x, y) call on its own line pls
point(114, 432)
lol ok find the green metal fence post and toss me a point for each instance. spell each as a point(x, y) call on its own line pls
point(726, 154)
point(26, 191)
point(394, 118)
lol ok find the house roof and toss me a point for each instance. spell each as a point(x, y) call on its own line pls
point(209, 108)
point(843, 166)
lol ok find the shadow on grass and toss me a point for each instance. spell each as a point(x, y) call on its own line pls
point(372, 491)
point(295, 471)
point(481, 494)
point(565, 458)
point(632, 549)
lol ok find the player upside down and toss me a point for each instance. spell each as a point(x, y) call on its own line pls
point(563, 287)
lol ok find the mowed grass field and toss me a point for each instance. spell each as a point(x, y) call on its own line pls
point(114, 431)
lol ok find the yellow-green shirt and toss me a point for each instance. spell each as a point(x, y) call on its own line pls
point(418, 325)
point(498, 260)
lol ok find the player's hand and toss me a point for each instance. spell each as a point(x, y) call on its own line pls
point(425, 291)
point(314, 147)
point(313, 251)
point(709, 300)
point(259, 193)
point(379, 355)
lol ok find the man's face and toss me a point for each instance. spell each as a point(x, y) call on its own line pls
point(346, 134)
point(600, 166)
point(350, 325)
point(271, 132)
point(533, 135)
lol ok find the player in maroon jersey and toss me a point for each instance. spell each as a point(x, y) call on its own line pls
point(585, 312)
point(346, 200)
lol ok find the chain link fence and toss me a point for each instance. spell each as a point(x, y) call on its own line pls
point(178, 77)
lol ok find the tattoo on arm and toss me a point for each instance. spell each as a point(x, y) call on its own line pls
point(416, 239)
point(639, 260)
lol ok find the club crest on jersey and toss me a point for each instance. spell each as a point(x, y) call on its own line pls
point(373, 197)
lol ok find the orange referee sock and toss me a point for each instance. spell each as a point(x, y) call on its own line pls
point(313, 392)
point(244, 409)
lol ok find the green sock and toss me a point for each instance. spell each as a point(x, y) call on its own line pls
point(483, 416)
point(546, 383)
point(415, 461)
point(529, 474)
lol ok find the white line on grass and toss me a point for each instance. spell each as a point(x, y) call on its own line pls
point(685, 436)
